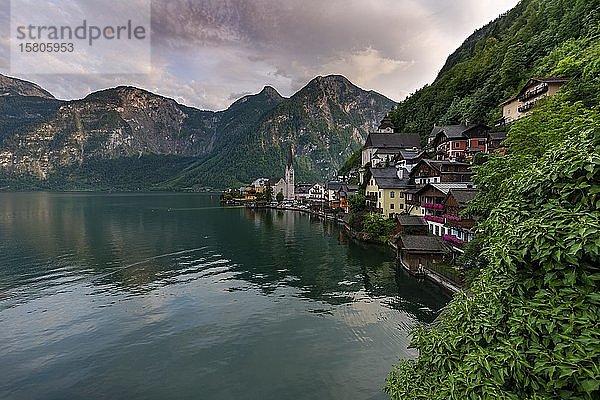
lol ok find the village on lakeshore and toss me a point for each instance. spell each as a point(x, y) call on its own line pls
point(412, 194)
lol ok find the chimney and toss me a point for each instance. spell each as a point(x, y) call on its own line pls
point(400, 173)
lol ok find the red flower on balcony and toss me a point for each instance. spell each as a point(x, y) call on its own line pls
point(453, 239)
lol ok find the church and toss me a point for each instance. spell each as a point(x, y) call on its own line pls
point(286, 184)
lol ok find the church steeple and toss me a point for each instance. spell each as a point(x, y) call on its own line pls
point(289, 191)
point(290, 160)
point(386, 126)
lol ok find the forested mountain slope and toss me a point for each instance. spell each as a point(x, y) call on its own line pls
point(495, 61)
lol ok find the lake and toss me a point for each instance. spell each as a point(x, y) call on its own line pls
point(154, 296)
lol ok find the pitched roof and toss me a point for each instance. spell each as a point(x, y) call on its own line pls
point(532, 81)
point(497, 136)
point(302, 188)
point(333, 185)
point(437, 165)
point(411, 220)
point(429, 244)
point(451, 131)
point(459, 131)
point(409, 154)
point(393, 140)
point(387, 151)
point(387, 178)
point(463, 196)
point(446, 187)
point(348, 189)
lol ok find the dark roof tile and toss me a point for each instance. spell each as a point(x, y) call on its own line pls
point(430, 244)
point(411, 220)
point(393, 140)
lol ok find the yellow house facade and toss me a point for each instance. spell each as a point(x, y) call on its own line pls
point(386, 191)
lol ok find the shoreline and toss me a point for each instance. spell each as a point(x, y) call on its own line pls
point(427, 274)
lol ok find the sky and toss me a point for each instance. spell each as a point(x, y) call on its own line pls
point(209, 53)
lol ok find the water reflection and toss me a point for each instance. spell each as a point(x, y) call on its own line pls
point(162, 296)
point(137, 243)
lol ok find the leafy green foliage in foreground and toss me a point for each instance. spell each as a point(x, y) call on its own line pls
point(529, 327)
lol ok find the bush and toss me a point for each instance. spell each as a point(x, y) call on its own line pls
point(378, 227)
point(528, 328)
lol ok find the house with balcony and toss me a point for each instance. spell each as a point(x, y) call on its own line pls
point(384, 145)
point(438, 171)
point(458, 228)
point(520, 105)
point(496, 142)
point(385, 190)
point(429, 202)
point(344, 193)
point(316, 196)
point(459, 142)
point(408, 158)
point(331, 193)
point(302, 192)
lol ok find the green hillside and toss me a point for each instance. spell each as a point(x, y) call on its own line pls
point(494, 62)
point(527, 325)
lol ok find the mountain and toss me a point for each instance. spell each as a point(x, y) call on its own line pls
point(88, 143)
point(496, 60)
point(325, 122)
point(23, 104)
point(16, 86)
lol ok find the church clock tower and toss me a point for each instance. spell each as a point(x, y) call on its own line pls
point(289, 191)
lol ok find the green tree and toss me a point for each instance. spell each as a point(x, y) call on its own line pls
point(357, 203)
point(378, 227)
point(279, 197)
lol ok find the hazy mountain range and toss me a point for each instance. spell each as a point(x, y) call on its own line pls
point(129, 138)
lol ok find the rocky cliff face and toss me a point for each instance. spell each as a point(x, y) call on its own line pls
point(325, 122)
point(14, 86)
point(120, 122)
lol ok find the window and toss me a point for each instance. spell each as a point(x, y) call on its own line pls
point(392, 206)
point(379, 194)
point(401, 195)
point(401, 206)
point(422, 211)
point(481, 142)
point(392, 195)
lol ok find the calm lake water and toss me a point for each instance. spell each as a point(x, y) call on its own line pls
point(156, 296)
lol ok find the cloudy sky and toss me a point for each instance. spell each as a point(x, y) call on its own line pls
point(208, 53)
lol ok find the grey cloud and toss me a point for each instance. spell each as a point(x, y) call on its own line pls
point(206, 52)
